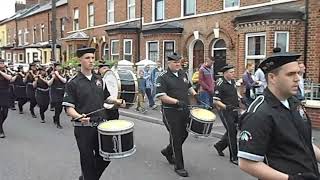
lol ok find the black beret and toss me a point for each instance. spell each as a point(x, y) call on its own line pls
point(10, 63)
point(41, 68)
point(226, 68)
point(2, 60)
point(20, 67)
point(56, 64)
point(276, 60)
point(32, 64)
point(103, 64)
point(174, 57)
point(80, 52)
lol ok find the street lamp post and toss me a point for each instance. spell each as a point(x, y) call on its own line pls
point(53, 30)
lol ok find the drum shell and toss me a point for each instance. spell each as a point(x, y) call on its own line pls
point(124, 143)
point(199, 127)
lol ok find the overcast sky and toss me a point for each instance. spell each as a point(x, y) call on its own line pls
point(7, 8)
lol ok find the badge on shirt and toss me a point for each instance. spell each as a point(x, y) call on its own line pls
point(65, 94)
point(245, 136)
point(302, 112)
point(185, 80)
point(158, 84)
point(99, 83)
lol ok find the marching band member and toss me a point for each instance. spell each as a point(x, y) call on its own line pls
point(85, 93)
point(172, 89)
point(42, 92)
point(20, 88)
point(12, 96)
point(30, 91)
point(4, 95)
point(57, 84)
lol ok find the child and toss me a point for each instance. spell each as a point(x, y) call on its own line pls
point(141, 92)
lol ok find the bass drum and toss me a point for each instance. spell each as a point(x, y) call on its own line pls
point(122, 84)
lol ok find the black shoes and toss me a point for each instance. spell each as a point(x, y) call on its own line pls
point(234, 161)
point(42, 121)
point(2, 135)
point(81, 177)
point(168, 157)
point(218, 150)
point(59, 126)
point(182, 172)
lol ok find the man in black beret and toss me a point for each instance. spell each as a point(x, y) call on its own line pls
point(275, 140)
point(84, 93)
point(172, 89)
point(226, 91)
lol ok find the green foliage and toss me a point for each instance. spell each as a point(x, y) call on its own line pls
point(73, 62)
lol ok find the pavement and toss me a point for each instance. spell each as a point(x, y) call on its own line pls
point(155, 116)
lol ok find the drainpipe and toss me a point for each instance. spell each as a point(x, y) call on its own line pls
point(139, 33)
point(306, 35)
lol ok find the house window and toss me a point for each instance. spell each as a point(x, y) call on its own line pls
point(34, 38)
point(115, 50)
point(127, 49)
point(282, 41)
point(76, 19)
point(61, 27)
point(168, 49)
point(189, 7)
point(28, 57)
point(131, 9)
point(231, 4)
point(41, 32)
point(20, 37)
point(153, 52)
point(9, 56)
point(35, 56)
point(159, 10)
point(106, 51)
point(25, 39)
point(110, 11)
point(21, 58)
point(90, 15)
point(255, 47)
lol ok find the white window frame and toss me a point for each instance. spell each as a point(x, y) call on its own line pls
point(147, 49)
point(41, 32)
point(124, 47)
point(76, 17)
point(21, 60)
point(182, 8)
point(133, 5)
point(25, 39)
point(90, 15)
point(8, 56)
point(111, 49)
point(276, 38)
point(109, 11)
point(217, 49)
point(265, 45)
point(229, 8)
point(154, 10)
point(20, 37)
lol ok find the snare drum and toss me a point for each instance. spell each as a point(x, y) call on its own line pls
point(201, 122)
point(122, 84)
point(116, 139)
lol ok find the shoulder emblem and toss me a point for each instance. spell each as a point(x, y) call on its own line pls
point(245, 136)
point(162, 73)
point(219, 82)
point(255, 104)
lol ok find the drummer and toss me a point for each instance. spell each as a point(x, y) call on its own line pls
point(20, 88)
point(103, 67)
point(172, 89)
point(85, 93)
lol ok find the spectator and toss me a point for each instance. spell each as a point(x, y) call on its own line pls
point(141, 92)
point(195, 79)
point(206, 82)
point(249, 83)
point(300, 94)
point(261, 80)
point(154, 75)
point(149, 86)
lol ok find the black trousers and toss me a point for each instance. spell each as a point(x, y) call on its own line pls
point(229, 139)
point(3, 116)
point(57, 111)
point(176, 123)
point(33, 104)
point(12, 97)
point(21, 102)
point(92, 164)
point(43, 109)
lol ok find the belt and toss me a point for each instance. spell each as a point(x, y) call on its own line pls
point(90, 124)
point(20, 86)
point(30, 83)
point(58, 88)
point(40, 89)
point(168, 107)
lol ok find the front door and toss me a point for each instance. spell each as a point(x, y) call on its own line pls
point(220, 61)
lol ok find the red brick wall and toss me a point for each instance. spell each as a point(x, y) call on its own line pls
point(313, 114)
point(313, 65)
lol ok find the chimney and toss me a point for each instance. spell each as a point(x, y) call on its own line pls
point(19, 5)
point(30, 3)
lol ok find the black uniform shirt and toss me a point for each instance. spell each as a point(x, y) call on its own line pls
point(173, 86)
point(41, 84)
point(227, 92)
point(86, 95)
point(57, 83)
point(19, 80)
point(4, 83)
point(279, 136)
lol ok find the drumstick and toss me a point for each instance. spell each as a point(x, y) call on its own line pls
point(88, 114)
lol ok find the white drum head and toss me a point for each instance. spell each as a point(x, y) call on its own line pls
point(112, 82)
point(203, 114)
point(115, 125)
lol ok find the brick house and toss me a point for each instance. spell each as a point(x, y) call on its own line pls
point(233, 31)
point(28, 32)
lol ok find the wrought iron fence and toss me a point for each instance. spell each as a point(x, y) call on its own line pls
point(312, 90)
